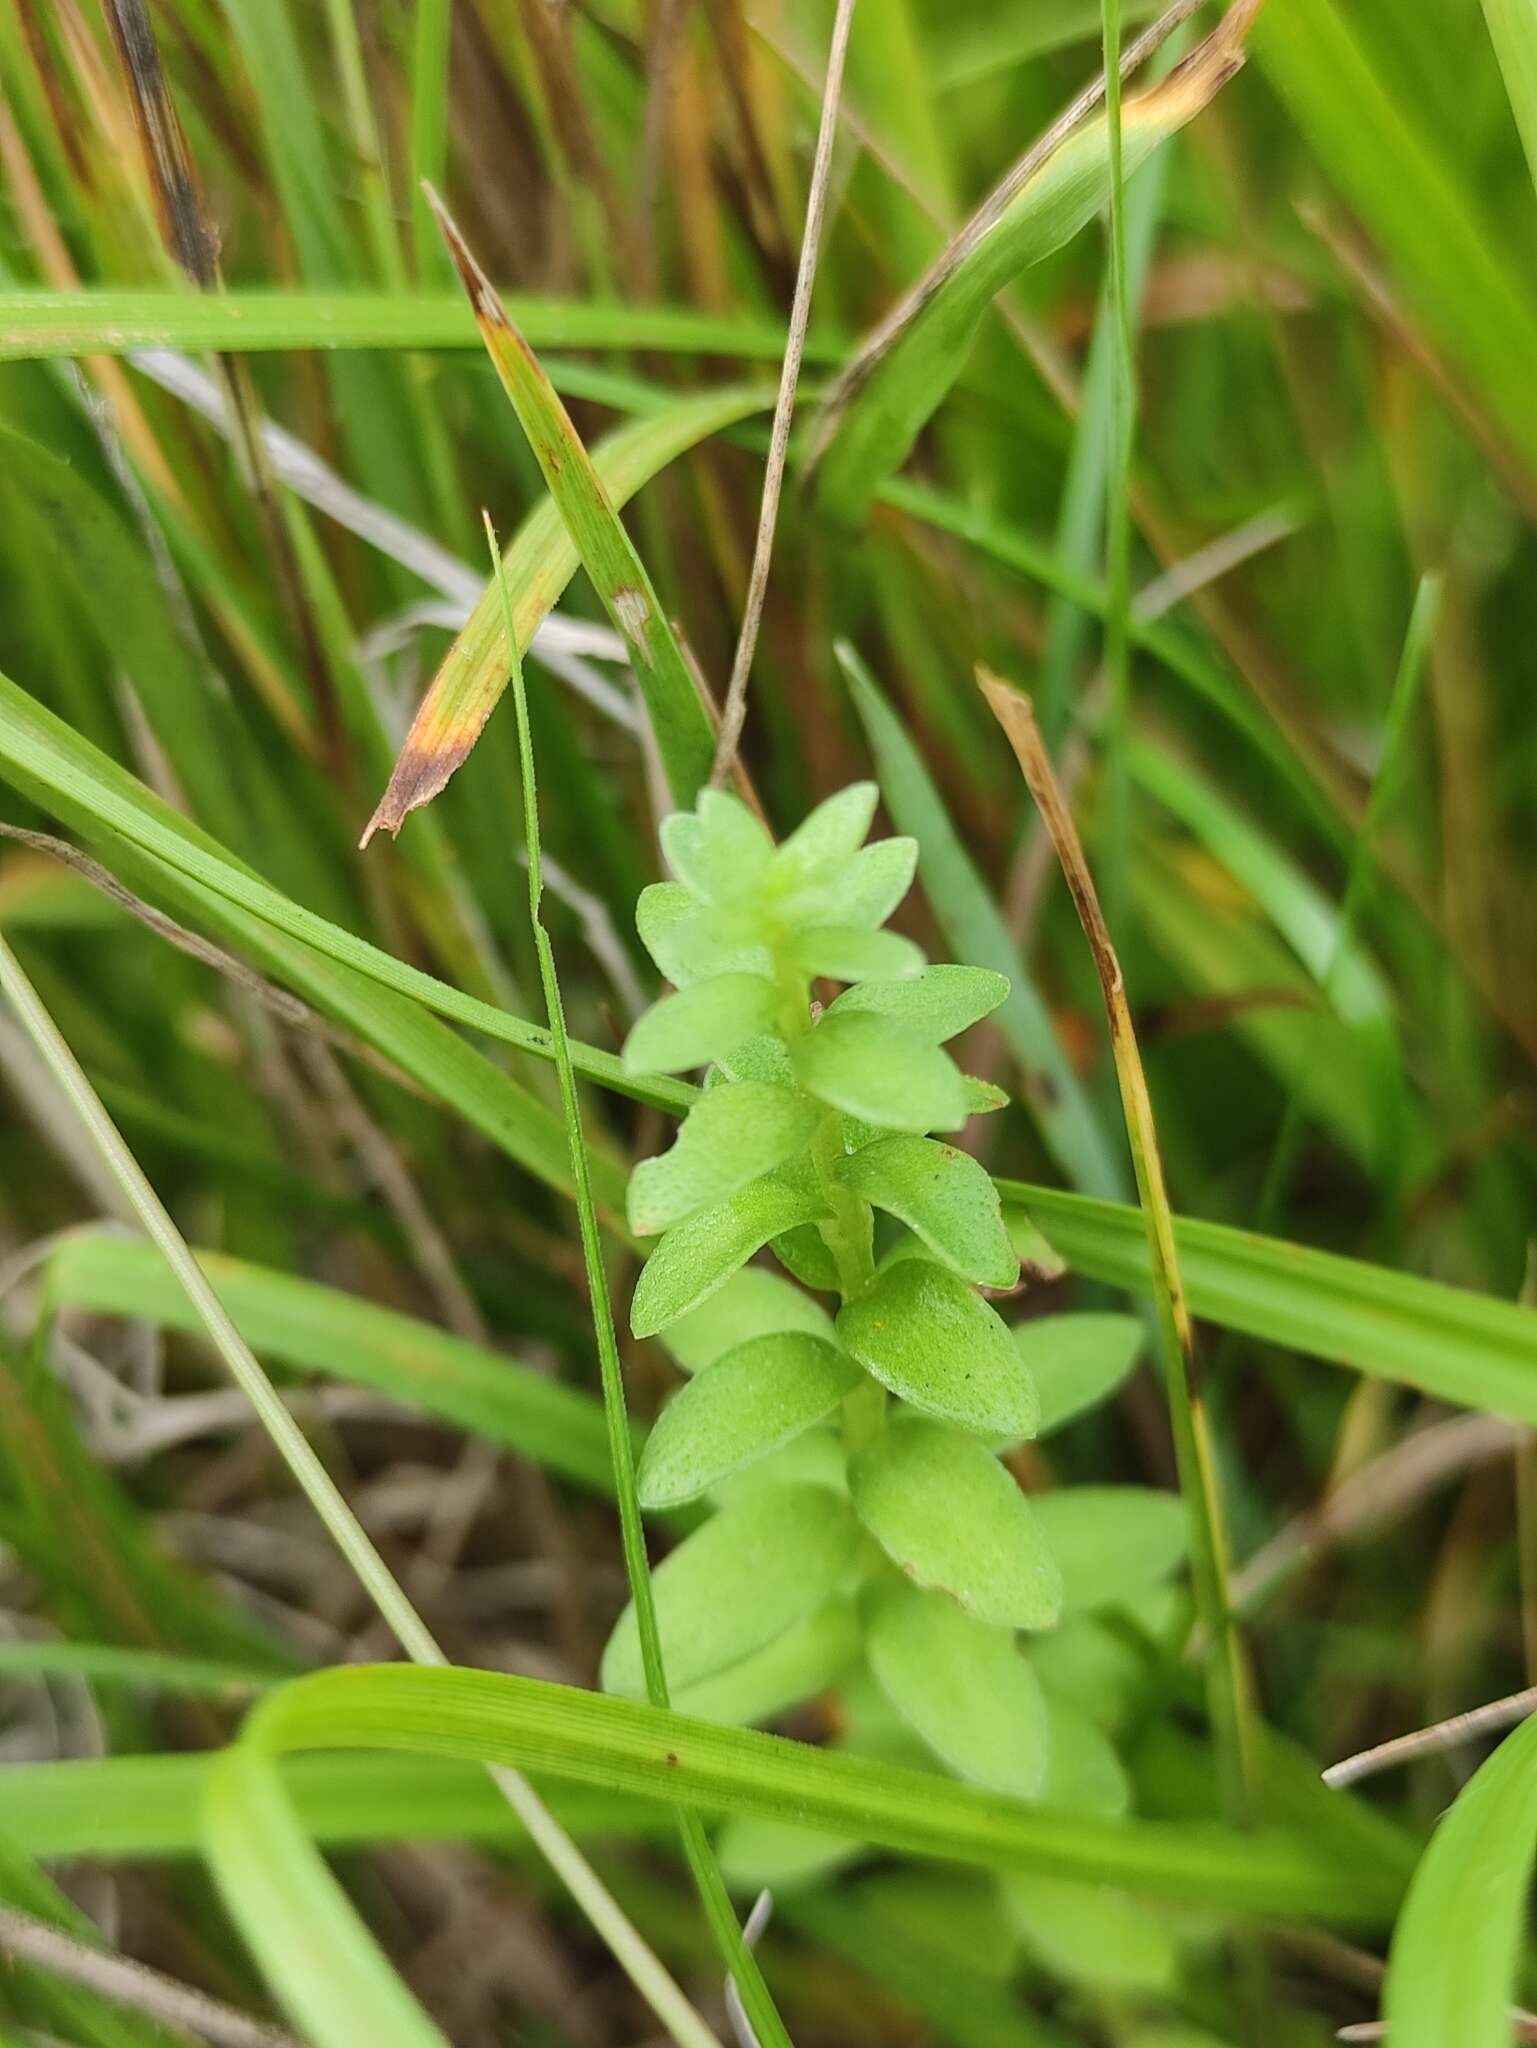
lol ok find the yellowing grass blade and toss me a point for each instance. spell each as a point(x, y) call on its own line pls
point(540, 561)
point(684, 735)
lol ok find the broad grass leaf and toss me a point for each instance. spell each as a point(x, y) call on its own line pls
point(1078, 1360)
point(700, 1023)
point(962, 1685)
point(922, 1332)
point(1112, 1542)
point(696, 1257)
point(943, 1195)
point(811, 1655)
point(935, 1005)
point(874, 1069)
point(730, 1136)
point(752, 1303)
point(756, 1398)
point(945, 1511)
point(1092, 1934)
point(736, 1584)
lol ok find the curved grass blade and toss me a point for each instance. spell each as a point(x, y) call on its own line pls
point(661, 1755)
point(1513, 32)
point(1453, 1965)
point(304, 1931)
point(39, 324)
point(540, 561)
point(319, 1329)
point(79, 783)
point(876, 432)
point(684, 735)
point(1457, 1346)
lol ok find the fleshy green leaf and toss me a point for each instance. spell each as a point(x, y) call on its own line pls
point(816, 1458)
point(944, 1509)
point(753, 1302)
point(690, 941)
point(718, 850)
point(1076, 1361)
point(810, 1656)
point(870, 887)
point(943, 1195)
point(1111, 1542)
point(1084, 1775)
point(696, 1257)
point(826, 841)
point(736, 1584)
point(700, 1023)
point(872, 1068)
point(961, 1685)
point(847, 952)
point(804, 1253)
point(1092, 1934)
point(730, 1137)
point(747, 1404)
point(761, 1058)
point(922, 1332)
point(936, 1005)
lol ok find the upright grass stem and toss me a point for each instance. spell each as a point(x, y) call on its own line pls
point(1117, 497)
point(739, 1959)
point(1226, 1680)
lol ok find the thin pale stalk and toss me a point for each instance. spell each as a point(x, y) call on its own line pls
point(1226, 1681)
point(718, 1909)
point(734, 710)
point(323, 1494)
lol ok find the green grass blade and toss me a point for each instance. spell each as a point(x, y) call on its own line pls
point(1457, 1346)
point(158, 1671)
point(1449, 261)
point(1513, 32)
point(684, 736)
point(318, 1329)
point(1452, 1972)
point(648, 1750)
point(92, 792)
point(105, 321)
point(976, 931)
point(540, 561)
point(304, 1931)
point(875, 434)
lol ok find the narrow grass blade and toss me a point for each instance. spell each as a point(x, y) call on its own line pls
point(1453, 1968)
point(1456, 1346)
point(154, 1671)
point(738, 1958)
point(105, 321)
point(684, 735)
point(540, 560)
point(1227, 1685)
point(1513, 32)
point(321, 1330)
point(79, 783)
point(971, 922)
point(301, 1926)
point(876, 432)
point(1447, 258)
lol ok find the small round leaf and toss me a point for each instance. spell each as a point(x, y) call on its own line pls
point(961, 1685)
point(731, 1136)
point(696, 1257)
point(753, 1302)
point(700, 1023)
point(937, 1004)
point(1091, 1933)
point(945, 1511)
point(825, 842)
point(874, 1069)
point(945, 1196)
point(843, 952)
point(690, 940)
point(1085, 1774)
point(1112, 1542)
point(737, 1583)
point(922, 1332)
point(1077, 1361)
point(809, 1657)
point(747, 1404)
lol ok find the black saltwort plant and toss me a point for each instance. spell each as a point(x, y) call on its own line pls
point(865, 1533)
